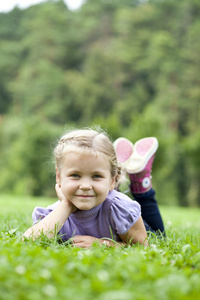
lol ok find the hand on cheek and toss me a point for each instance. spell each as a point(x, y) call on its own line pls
point(59, 192)
point(61, 197)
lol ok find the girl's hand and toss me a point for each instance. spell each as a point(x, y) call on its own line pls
point(62, 198)
point(86, 241)
point(83, 241)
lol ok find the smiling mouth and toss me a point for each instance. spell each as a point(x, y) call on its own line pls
point(85, 196)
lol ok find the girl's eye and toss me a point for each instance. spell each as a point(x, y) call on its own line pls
point(97, 176)
point(74, 175)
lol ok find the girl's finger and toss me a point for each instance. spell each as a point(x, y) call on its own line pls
point(59, 192)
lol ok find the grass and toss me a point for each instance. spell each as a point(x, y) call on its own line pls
point(167, 270)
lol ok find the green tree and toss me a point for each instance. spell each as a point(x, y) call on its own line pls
point(131, 66)
point(27, 157)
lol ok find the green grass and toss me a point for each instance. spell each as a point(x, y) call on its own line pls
point(167, 270)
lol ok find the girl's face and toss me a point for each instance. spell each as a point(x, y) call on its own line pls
point(85, 180)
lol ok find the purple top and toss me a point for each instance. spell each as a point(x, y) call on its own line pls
point(115, 216)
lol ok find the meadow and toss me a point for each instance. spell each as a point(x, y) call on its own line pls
point(167, 270)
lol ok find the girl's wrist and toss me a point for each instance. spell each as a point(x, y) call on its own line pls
point(67, 206)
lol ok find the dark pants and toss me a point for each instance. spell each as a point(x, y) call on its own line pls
point(150, 211)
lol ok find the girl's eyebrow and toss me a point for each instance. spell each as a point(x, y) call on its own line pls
point(72, 170)
point(99, 171)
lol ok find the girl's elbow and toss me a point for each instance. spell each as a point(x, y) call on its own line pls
point(28, 234)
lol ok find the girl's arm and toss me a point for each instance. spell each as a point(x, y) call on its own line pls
point(136, 234)
point(54, 221)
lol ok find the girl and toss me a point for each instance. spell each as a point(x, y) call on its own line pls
point(89, 209)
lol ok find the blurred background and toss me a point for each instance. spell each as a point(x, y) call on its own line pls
point(131, 66)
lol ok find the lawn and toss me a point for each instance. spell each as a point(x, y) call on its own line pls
point(167, 270)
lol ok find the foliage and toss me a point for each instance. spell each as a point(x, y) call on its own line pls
point(130, 66)
point(28, 163)
point(169, 269)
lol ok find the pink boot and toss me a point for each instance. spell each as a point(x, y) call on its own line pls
point(124, 150)
point(138, 162)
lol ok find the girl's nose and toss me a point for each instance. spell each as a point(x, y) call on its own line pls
point(85, 185)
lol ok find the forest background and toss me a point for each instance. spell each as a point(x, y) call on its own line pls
point(133, 67)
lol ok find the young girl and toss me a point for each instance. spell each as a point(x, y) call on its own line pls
point(89, 209)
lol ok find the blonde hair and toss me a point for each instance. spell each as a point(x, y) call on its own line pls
point(90, 141)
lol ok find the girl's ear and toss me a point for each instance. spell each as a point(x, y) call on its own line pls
point(113, 182)
point(57, 176)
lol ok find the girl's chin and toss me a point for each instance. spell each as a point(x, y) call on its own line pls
point(84, 204)
point(84, 207)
